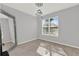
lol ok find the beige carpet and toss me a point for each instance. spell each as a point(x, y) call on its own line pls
point(7, 46)
point(43, 48)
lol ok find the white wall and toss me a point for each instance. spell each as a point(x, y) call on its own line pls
point(68, 27)
point(5, 30)
point(11, 28)
point(25, 25)
point(0, 6)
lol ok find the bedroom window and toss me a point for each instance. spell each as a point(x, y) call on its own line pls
point(50, 26)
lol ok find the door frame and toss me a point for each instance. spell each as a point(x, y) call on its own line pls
point(14, 22)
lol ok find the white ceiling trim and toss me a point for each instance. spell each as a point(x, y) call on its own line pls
point(47, 8)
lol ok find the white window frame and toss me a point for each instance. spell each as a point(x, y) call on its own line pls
point(49, 33)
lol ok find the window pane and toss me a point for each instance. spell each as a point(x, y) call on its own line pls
point(54, 31)
point(45, 22)
point(45, 30)
point(54, 25)
point(54, 21)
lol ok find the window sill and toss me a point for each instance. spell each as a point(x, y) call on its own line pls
point(50, 35)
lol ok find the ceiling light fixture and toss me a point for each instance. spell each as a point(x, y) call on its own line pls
point(38, 11)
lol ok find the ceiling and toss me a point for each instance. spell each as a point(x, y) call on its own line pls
point(47, 8)
point(3, 16)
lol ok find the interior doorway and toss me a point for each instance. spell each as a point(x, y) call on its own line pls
point(8, 33)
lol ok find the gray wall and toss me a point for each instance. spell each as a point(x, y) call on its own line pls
point(26, 25)
point(68, 27)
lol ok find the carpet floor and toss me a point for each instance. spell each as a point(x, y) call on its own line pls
point(43, 48)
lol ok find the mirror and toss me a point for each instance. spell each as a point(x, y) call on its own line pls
point(8, 30)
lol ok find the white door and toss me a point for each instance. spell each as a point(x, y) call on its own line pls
point(6, 37)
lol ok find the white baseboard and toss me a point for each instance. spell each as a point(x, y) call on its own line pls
point(6, 42)
point(63, 44)
point(26, 41)
point(51, 41)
